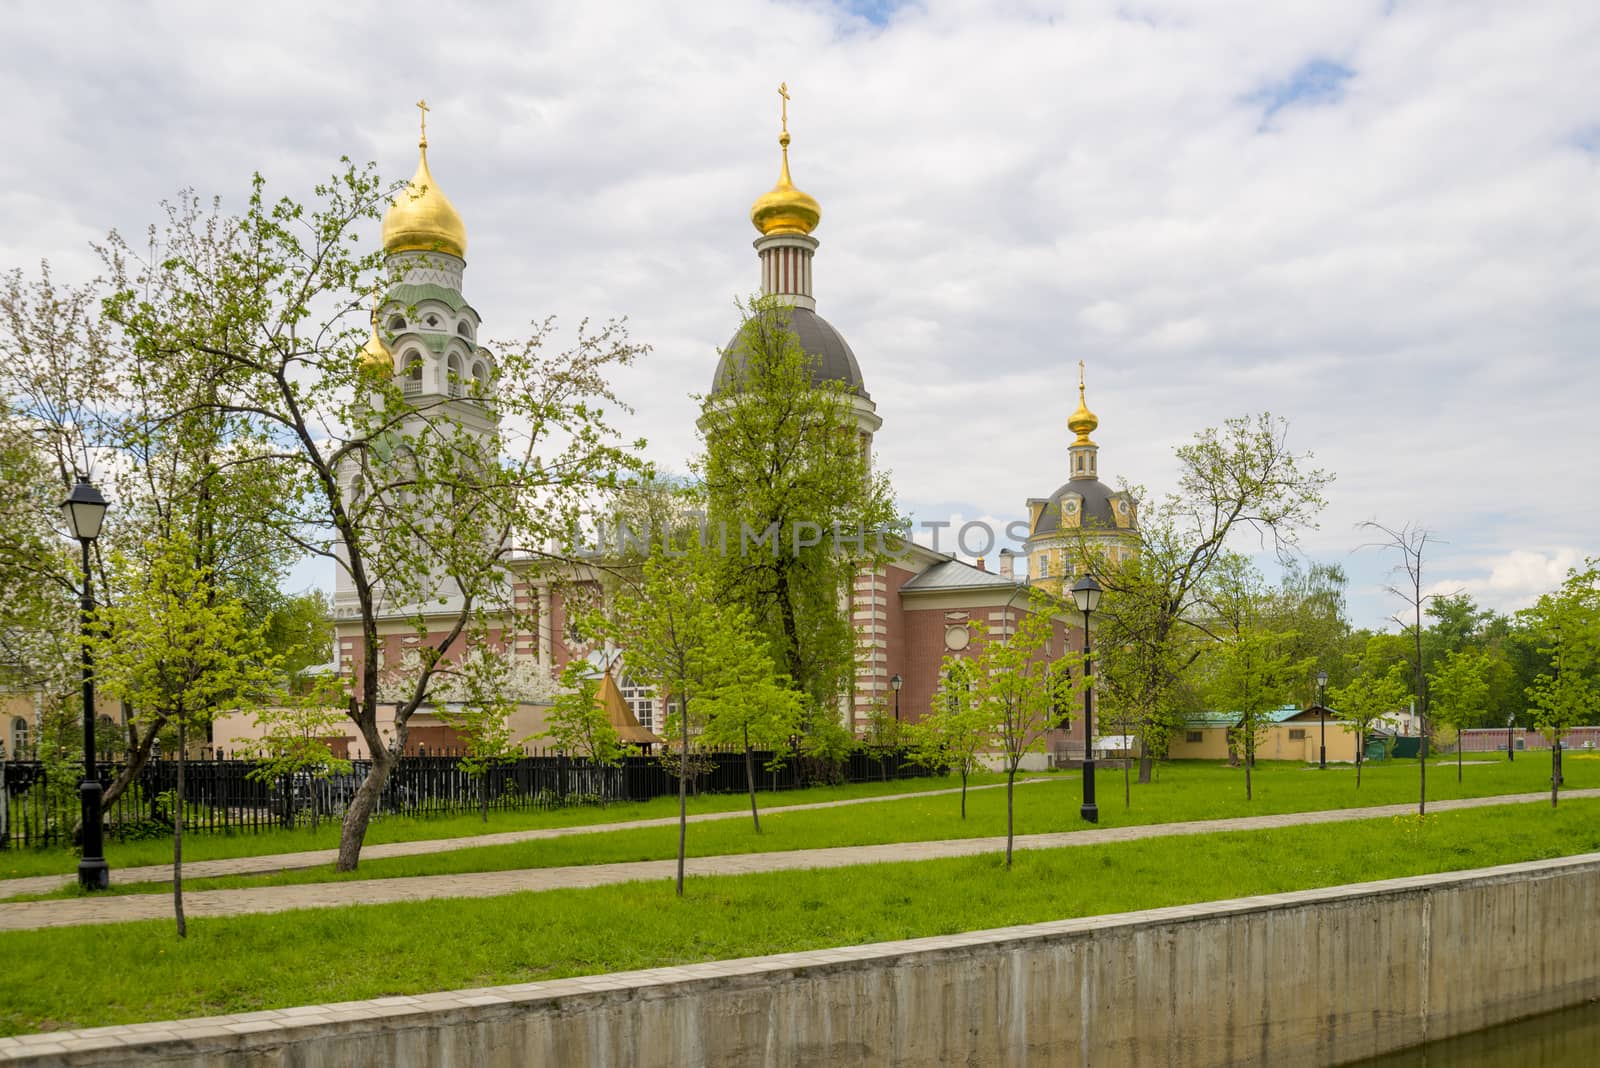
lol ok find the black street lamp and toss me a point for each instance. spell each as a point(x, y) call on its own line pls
point(1511, 737)
point(85, 510)
point(1086, 594)
point(1322, 708)
point(895, 684)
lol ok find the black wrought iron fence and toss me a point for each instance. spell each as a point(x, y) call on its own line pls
point(41, 807)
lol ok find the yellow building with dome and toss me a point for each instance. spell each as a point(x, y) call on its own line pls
point(1084, 519)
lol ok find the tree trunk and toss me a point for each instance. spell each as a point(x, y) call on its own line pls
point(683, 793)
point(177, 841)
point(1011, 778)
point(483, 795)
point(1247, 762)
point(353, 831)
point(1422, 766)
point(1555, 771)
point(750, 779)
point(1361, 753)
point(1145, 764)
point(1458, 756)
point(965, 771)
point(138, 757)
point(791, 628)
point(1127, 783)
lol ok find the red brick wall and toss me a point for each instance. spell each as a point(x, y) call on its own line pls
point(924, 651)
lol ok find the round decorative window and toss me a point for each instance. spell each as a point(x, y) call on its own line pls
point(956, 638)
point(1069, 507)
point(1122, 506)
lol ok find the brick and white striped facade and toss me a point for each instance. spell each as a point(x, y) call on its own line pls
point(786, 268)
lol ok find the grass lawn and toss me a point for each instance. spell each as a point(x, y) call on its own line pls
point(142, 972)
point(1185, 791)
point(15, 863)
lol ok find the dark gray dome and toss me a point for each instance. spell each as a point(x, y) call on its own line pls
point(832, 360)
point(1097, 507)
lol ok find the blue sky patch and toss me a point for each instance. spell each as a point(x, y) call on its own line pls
point(877, 12)
point(1317, 82)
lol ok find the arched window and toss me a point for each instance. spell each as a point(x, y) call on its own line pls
point(453, 366)
point(413, 372)
point(20, 746)
point(464, 330)
point(397, 323)
point(480, 377)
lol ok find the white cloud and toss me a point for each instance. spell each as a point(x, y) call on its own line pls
point(1514, 579)
point(1403, 263)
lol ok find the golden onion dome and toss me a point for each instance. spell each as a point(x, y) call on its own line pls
point(785, 209)
point(376, 359)
point(1082, 422)
point(421, 218)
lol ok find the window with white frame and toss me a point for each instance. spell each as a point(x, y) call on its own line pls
point(641, 700)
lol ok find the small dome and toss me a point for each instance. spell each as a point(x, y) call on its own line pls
point(832, 359)
point(785, 209)
point(1099, 510)
point(1082, 422)
point(376, 359)
point(422, 219)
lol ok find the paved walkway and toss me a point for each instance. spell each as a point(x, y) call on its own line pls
point(82, 911)
point(270, 862)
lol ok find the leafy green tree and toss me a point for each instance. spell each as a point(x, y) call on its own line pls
point(954, 731)
point(179, 648)
point(1567, 621)
point(1016, 694)
point(295, 737)
point(703, 655)
point(1253, 667)
point(577, 723)
point(1460, 689)
point(753, 708)
point(1240, 478)
point(476, 701)
point(300, 632)
point(74, 398)
point(1309, 610)
point(422, 513)
point(883, 738)
point(784, 469)
point(1364, 700)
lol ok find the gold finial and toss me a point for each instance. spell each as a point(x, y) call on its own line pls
point(421, 218)
point(375, 358)
point(785, 209)
point(1082, 421)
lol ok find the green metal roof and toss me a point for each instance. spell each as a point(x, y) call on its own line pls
point(412, 295)
point(1231, 719)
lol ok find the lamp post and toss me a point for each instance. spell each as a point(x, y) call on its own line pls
point(895, 684)
point(1511, 738)
point(1322, 709)
point(1086, 595)
point(85, 510)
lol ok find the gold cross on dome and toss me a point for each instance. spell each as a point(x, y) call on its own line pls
point(783, 91)
point(1080, 374)
point(422, 106)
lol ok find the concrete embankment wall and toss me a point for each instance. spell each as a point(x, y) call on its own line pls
point(1306, 978)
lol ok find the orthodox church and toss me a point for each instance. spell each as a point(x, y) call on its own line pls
point(908, 614)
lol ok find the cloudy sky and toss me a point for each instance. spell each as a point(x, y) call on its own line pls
point(1378, 220)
